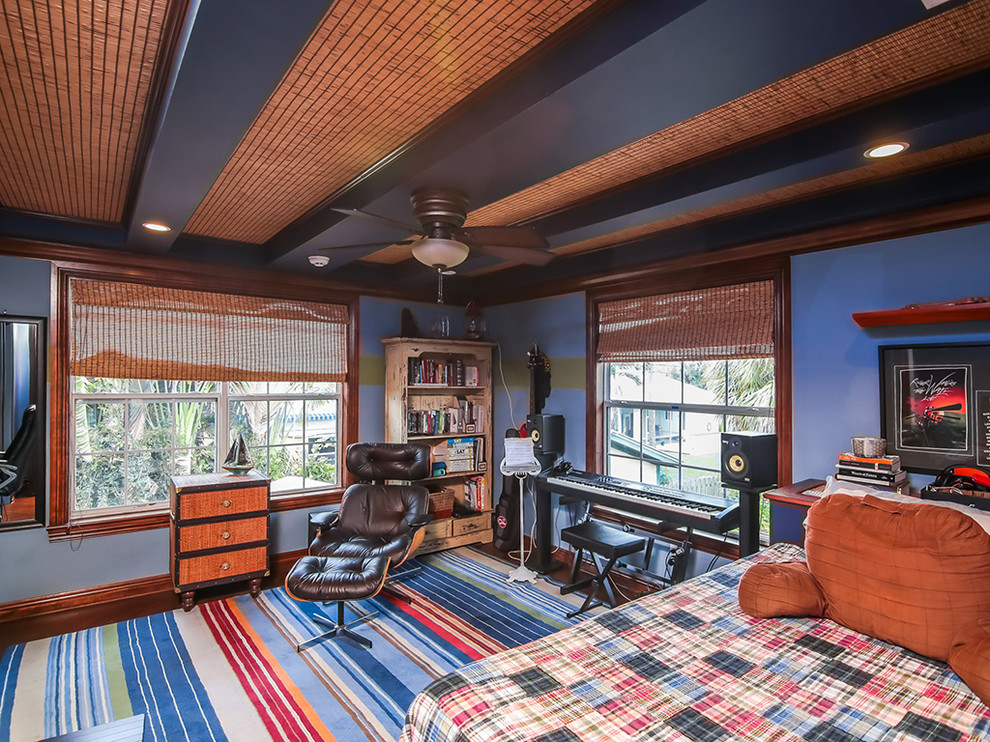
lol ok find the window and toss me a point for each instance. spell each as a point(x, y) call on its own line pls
point(131, 435)
point(678, 370)
point(665, 419)
point(160, 381)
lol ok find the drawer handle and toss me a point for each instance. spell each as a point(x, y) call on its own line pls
point(225, 566)
point(225, 535)
point(226, 503)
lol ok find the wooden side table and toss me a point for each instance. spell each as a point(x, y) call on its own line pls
point(788, 508)
point(218, 532)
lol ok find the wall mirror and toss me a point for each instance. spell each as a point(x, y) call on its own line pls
point(22, 421)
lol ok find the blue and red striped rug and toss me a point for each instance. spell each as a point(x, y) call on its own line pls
point(228, 670)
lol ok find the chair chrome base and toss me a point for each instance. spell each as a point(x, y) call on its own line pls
point(338, 629)
point(402, 574)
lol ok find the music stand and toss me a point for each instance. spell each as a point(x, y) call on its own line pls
point(520, 462)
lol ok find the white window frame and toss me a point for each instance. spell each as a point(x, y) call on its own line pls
point(680, 408)
point(222, 397)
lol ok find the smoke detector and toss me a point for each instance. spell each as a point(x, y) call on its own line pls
point(320, 261)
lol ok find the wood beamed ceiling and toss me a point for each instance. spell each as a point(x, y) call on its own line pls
point(625, 133)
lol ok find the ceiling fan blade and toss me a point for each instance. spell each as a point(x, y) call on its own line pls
point(369, 217)
point(526, 255)
point(508, 236)
point(364, 244)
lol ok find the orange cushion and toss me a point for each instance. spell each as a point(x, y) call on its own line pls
point(970, 658)
point(785, 589)
point(911, 574)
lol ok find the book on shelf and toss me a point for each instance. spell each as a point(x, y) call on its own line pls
point(438, 459)
point(442, 372)
point(881, 463)
point(470, 376)
point(461, 455)
point(474, 493)
point(466, 417)
point(879, 471)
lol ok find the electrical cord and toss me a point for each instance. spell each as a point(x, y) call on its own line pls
point(501, 376)
point(532, 528)
point(717, 553)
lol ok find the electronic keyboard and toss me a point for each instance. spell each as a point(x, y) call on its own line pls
point(711, 514)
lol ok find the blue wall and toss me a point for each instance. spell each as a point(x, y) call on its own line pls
point(64, 565)
point(835, 362)
point(557, 326)
point(836, 391)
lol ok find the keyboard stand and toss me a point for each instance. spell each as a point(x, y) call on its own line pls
point(677, 558)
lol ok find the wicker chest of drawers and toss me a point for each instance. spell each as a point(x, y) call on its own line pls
point(218, 532)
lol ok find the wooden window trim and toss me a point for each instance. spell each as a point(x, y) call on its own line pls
point(60, 418)
point(776, 268)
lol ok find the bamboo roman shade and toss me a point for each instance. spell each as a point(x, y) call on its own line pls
point(132, 331)
point(734, 321)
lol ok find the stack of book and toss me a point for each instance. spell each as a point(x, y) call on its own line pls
point(474, 493)
point(464, 454)
point(465, 417)
point(440, 371)
point(884, 472)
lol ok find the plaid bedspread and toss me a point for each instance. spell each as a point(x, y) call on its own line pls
point(688, 664)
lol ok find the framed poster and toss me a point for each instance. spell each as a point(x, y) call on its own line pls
point(935, 404)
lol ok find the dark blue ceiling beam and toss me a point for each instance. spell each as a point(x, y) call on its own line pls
point(954, 183)
point(232, 55)
point(705, 55)
point(518, 88)
point(926, 119)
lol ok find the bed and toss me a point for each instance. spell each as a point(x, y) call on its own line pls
point(688, 664)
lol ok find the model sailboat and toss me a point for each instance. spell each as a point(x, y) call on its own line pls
point(238, 458)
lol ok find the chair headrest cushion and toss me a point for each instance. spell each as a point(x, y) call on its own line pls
point(376, 462)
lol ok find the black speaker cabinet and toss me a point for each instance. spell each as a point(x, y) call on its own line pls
point(749, 460)
point(547, 433)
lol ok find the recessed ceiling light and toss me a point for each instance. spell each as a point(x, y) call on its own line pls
point(156, 227)
point(886, 149)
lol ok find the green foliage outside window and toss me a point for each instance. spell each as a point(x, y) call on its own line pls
point(131, 435)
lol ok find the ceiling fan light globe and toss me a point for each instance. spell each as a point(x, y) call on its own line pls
point(433, 251)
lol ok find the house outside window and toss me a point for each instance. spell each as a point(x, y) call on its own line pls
point(665, 419)
point(679, 369)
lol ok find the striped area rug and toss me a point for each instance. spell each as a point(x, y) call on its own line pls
point(228, 670)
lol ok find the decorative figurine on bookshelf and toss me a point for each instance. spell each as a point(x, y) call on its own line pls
point(474, 322)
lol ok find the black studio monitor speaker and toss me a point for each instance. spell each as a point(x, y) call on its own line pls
point(749, 460)
point(547, 433)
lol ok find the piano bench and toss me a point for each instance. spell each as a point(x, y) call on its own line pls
point(603, 543)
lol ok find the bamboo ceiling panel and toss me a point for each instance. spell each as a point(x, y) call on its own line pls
point(957, 40)
point(371, 77)
point(75, 88)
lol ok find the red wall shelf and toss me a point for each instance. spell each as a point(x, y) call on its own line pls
point(947, 312)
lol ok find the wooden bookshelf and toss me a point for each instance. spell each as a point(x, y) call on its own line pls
point(439, 392)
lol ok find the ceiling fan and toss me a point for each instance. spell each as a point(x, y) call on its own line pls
point(444, 242)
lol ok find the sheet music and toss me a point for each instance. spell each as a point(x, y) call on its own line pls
point(519, 458)
point(519, 452)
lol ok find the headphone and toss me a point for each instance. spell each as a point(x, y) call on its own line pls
point(964, 477)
